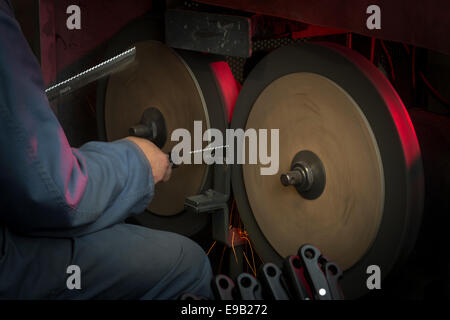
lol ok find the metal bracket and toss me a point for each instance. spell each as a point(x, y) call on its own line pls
point(223, 287)
point(248, 287)
point(295, 275)
point(228, 35)
point(272, 279)
point(310, 257)
point(215, 201)
point(334, 274)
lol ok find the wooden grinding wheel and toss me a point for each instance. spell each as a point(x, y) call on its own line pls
point(337, 114)
point(183, 87)
point(314, 114)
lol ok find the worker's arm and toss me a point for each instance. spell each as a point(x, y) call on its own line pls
point(48, 188)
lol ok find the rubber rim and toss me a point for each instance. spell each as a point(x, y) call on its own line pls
point(372, 91)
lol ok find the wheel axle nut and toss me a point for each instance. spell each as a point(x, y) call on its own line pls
point(301, 177)
point(291, 178)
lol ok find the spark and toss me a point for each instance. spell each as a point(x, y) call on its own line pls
point(253, 270)
point(221, 258)
point(210, 249)
point(234, 250)
point(209, 149)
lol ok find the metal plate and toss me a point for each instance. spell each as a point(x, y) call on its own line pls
point(159, 78)
point(228, 35)
point(347, 88)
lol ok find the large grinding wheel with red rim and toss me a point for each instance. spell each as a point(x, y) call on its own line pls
point(335, 108)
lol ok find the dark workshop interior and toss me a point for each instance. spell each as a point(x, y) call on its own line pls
point(363, 184)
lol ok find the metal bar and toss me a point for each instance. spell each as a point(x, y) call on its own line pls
point(90, 75)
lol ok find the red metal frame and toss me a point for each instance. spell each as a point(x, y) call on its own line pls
point(420, 23)
point(417, 22)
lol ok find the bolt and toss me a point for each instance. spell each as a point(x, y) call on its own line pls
point(291, 178)
point(141, 131)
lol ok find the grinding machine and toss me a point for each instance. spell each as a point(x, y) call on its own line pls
point(352, 168)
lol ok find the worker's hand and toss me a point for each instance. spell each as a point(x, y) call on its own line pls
point(159, 161)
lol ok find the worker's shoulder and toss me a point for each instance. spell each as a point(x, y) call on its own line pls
point(6, 6)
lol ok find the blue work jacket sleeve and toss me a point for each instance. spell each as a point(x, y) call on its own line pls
point(47, 187)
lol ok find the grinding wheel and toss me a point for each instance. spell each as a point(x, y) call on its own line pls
point(182, 86)
point(160, 79)
point(339, 118)
point(315, 114)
